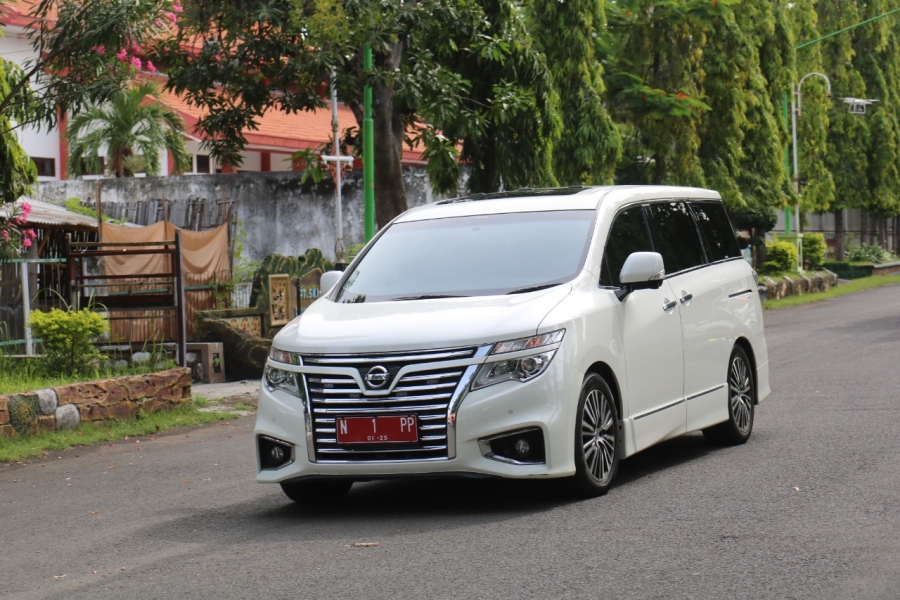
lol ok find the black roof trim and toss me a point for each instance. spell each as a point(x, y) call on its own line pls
point(522, 193)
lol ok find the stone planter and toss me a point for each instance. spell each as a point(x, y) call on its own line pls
point(66, 406)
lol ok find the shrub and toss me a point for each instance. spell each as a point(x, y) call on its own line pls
point(781, 256)
point(67, 338)
point(814, 249)
point(868, 254)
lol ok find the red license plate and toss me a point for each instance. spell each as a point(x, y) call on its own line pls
point(376, 430)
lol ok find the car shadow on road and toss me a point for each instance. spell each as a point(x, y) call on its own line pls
point(381, 508)
point(488, 497)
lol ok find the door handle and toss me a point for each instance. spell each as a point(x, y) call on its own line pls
point(685, 297)
point(667, 305)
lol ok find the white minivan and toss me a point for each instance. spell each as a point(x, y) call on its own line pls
point(544, 333)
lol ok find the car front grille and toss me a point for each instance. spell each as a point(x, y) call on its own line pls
point(423, 393)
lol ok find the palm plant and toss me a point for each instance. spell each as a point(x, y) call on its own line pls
point(134, 124)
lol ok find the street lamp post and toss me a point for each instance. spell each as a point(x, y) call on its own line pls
point(796, 102)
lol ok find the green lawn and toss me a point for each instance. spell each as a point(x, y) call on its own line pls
point(856, 285)
point(131, 430)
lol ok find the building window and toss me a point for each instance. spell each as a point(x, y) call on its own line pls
point(202, 163)
point(46, 167)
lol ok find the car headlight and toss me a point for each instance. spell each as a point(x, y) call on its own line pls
point(279, 379)
point(521, 368)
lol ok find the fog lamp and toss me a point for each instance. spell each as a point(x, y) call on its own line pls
point(522, 448)
point(277, 454)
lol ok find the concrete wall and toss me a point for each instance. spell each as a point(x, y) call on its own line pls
point(277, 214)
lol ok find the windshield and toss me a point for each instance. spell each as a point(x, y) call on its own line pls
point(479, 255)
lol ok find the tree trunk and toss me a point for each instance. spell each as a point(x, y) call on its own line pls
point(863, 227)
point(390, 190)
point(896, 235)
point(882, 231)
point(839, 234)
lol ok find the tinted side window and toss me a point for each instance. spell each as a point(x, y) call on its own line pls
point(628, 234)
point(675, 236)
point(716, 229)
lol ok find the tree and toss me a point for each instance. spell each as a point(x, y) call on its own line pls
point(848, 135)
point(18, 173)
point(568, 34)
point(425, 57)
point(75, 63)
point(818, 191)
point(653, 78)
point(132, 124)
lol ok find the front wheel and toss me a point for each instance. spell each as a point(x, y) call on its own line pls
point(741, 398)
point(596, 439)
point(317, 491)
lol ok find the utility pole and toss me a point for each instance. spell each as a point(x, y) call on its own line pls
point(336, 158)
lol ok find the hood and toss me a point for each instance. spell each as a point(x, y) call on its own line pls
point(327, 327)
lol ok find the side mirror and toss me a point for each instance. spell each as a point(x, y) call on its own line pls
point(328, 281)
point(641, 270)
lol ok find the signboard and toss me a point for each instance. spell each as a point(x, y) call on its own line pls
point(309, 288)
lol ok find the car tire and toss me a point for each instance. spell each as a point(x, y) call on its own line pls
point(317, 491)
point(741, 400)
point(596, 439)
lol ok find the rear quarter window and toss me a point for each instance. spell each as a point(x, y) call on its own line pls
point(716, 230)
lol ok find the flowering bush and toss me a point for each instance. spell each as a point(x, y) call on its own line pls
point(15, 239)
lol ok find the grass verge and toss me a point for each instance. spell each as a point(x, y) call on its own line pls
point(29, 446)
point(24, 375)
point(856, 285)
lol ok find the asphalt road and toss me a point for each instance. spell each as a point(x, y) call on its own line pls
point(809, 508)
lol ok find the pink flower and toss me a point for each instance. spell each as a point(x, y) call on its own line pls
point(135, 48)
point(158, 22)
point(151, 67)
point(101, 49)
point(122, 54)
point(177, 8)
point(170, 16)
point(26, 209)
point(26, 242)
point(4, 234)
point(135, 62)
point(29, 233)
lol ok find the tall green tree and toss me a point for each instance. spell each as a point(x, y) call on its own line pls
point(427, 55)
point(876, 61)
point(133, 128)
point(848, 134)
point(654, 49)
point(817, 193)
point(568, 34)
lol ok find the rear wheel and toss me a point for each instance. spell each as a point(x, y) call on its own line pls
point(741, 399)
point(596, 439)
point(317, 491)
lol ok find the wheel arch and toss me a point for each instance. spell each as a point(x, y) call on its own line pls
point(747, 347)
point(605, 371)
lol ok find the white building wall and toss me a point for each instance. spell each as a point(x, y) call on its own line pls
point(280, 162)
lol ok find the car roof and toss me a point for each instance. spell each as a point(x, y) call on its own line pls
point(548, 199)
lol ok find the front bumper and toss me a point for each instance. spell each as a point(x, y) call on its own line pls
point(547, 402)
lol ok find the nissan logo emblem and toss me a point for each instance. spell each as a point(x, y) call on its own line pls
point(377, 377)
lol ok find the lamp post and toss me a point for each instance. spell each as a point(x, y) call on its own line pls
point(796, 102)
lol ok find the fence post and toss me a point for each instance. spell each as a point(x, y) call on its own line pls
point(180, 305)
point(26, 307)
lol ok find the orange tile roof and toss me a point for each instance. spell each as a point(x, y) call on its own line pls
point(307, 129)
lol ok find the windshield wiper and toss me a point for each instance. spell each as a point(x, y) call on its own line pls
point(427, 297)
point(533, 288)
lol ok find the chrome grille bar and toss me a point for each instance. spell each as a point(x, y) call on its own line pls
point(425, 393)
